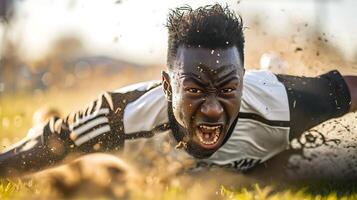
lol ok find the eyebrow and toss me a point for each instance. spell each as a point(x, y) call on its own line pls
point(225, 82)
point(221, 68)
point(195, 78)
point(222, 81)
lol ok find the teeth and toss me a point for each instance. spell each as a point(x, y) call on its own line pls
point(202, 136)
point(209, 127)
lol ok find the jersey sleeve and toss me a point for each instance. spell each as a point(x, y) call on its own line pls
point(96, 128)
point(313, 100)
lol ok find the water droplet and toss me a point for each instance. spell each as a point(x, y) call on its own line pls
point(227, 42)
point(217, 61)
point(212, 52)
point(218, 54)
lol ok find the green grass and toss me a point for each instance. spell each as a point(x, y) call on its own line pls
point(24, 190)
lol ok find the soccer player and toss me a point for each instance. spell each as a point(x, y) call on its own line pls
point(207, 106)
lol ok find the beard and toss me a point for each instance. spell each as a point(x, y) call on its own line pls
point(184, 136)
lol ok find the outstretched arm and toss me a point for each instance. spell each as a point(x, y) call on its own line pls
point(93, 129)
point(351, 82)
point(314, 100)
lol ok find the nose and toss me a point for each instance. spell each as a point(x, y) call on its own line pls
point(212, 109)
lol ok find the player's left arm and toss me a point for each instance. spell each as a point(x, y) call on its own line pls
point(351, 82)
point(314, 100)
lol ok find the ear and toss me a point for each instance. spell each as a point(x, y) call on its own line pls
point(166, 85)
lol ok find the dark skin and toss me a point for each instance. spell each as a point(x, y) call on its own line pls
point(197, 97)
point(205, 88)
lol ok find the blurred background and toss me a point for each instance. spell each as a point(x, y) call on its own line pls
point(64, 53)
point(49, 43)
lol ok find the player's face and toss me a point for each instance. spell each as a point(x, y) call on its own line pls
point(206, 92)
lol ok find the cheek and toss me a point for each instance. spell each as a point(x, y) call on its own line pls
point(183, 108)
point(232, 106)
point(179, 108)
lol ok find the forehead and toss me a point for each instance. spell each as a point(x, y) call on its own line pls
point(193, 60)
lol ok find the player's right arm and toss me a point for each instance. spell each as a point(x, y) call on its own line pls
point(95, 128)
point(98, 128)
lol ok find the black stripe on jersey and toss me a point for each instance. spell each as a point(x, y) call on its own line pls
point(261, 119)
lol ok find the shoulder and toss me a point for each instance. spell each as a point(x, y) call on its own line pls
point(141, 87)
point(265, 95)
point(145, 107)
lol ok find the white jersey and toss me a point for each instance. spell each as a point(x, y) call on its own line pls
point(262, 129)
point(134, 120)
point(136, 117)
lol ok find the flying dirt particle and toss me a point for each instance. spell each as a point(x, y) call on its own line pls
point(306, 24)
point(325, 40)
point(181, 145)
point(200, 69)
point(317, 53)
point(298, 49)
point(118, 2)
point(96, 147)
point(118, 110)
point(115, 40)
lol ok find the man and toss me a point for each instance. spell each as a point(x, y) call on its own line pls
point(207, 105)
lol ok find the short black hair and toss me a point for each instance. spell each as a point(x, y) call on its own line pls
point(211, 26)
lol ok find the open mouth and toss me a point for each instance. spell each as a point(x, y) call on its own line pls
point(208, 135)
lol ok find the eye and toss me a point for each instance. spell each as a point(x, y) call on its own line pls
point(194, 90)
point(227, 90)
